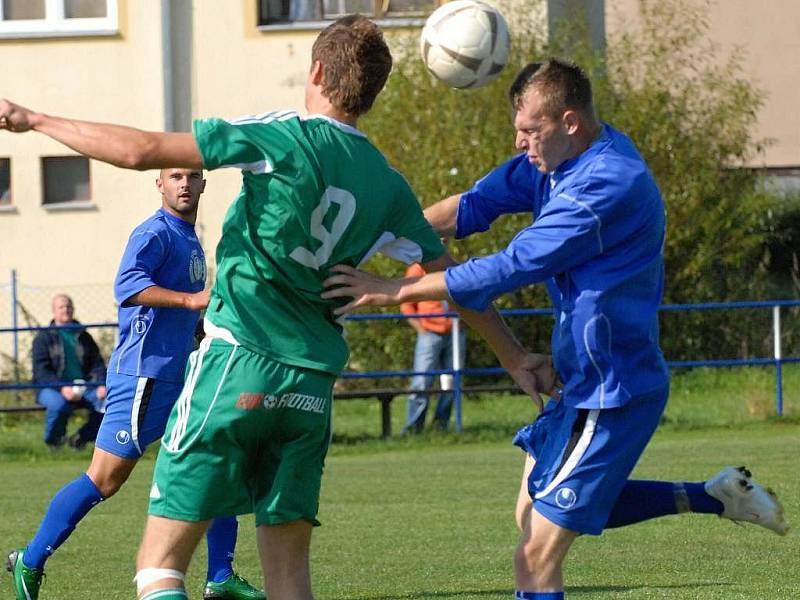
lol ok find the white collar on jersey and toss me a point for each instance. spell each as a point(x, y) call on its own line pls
point(343, 126)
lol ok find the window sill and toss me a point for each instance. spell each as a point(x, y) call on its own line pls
point(9, 209)
point(67, 206)
point(54, 33)
point(317, 25)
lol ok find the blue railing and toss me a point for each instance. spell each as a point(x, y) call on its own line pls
point(458, 371)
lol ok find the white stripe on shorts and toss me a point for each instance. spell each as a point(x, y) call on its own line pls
point(576, 454)
point(141, 382)
point(182, 404)
point(179, 429)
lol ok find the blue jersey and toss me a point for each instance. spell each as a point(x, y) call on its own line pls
point(155, 342)
point(596, 242)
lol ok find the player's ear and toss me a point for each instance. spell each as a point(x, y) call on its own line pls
point(316, 73)
point(571, 121)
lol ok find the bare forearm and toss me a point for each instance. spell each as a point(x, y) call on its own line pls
point(489, 324)
point(443, 216)
point(121, 146)
point(163, 298)
point(491, 327)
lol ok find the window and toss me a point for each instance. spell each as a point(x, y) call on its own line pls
point(5, 181)
point(65, 180)
point(299, 12)
point(42, 18)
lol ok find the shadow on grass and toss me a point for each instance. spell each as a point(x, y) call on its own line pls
point(578, 590)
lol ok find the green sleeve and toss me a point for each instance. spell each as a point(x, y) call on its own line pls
point(408, 222)
point(253, 144)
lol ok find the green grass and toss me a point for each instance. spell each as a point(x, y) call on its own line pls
point(437, 522)
point(431, 516)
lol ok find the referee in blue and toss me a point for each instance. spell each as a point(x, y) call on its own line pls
point(160, 291)
point(596, 242)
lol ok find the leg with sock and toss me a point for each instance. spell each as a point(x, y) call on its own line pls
point(66, 509)
point(221, 539)
point(641, 500)
point(222, 581)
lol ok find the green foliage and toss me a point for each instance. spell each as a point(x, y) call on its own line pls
point(689, 109)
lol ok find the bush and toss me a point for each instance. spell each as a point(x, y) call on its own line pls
point(690, 112)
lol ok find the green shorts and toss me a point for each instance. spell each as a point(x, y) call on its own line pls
point(247, 435)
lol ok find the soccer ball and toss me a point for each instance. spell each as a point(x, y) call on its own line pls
point(465, 43)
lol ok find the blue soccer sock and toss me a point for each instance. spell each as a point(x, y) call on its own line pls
point(538, 595)
point(65, 511)
point(221, 539)
point(642, 500)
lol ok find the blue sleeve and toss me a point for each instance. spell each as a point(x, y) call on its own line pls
point(144, 254)
point(567, 233)
point(513, 187)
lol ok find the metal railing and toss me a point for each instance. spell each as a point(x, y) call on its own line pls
point(459, 371)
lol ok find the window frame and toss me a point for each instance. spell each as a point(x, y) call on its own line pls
point(55, 24)
point(7, 205)
point(387, 20)
point(82, 204)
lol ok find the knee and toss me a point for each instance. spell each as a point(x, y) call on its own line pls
point(52, 400)
point(108, 483)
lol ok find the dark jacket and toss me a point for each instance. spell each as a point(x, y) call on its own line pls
point(48, 357)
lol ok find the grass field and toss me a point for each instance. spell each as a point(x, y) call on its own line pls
point(432, 517)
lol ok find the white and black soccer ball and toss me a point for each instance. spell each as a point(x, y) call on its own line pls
point(465, 43)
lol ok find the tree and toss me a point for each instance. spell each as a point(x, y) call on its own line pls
point(690, 112)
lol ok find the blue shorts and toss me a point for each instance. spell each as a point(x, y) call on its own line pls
point(584, 457)
point(137, 409)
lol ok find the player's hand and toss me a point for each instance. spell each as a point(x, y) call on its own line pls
point(101, 392)
point(535, 375)
point(15, 118)
point(364, 288)
point(199, 300)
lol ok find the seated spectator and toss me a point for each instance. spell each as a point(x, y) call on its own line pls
point(68, 355)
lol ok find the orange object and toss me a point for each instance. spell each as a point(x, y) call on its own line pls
point(438, 325)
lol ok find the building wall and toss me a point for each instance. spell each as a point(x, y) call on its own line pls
point(221, 65)
point(114, 78)
point(769, 34)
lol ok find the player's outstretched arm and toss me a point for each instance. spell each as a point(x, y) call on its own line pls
point(165, 298)
point(443, 216)
point(366, 289)
point(534, 373)
point(118, 145)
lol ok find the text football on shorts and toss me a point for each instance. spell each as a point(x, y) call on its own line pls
point(465, 43)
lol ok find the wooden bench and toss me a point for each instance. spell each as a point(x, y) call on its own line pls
point(386, 395)
point(383, 395)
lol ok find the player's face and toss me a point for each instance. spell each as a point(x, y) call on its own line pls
point(63, 311)
point(545, 140)
point(180, 191)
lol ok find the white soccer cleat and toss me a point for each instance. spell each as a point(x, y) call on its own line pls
point(745, 500)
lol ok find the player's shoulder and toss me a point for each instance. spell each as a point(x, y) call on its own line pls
point(156, 226)
point(617, 165)
point(273, 118)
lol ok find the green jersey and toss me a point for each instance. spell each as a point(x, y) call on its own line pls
point(315, 193)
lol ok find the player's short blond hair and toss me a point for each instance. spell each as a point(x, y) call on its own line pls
point(562, 86)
